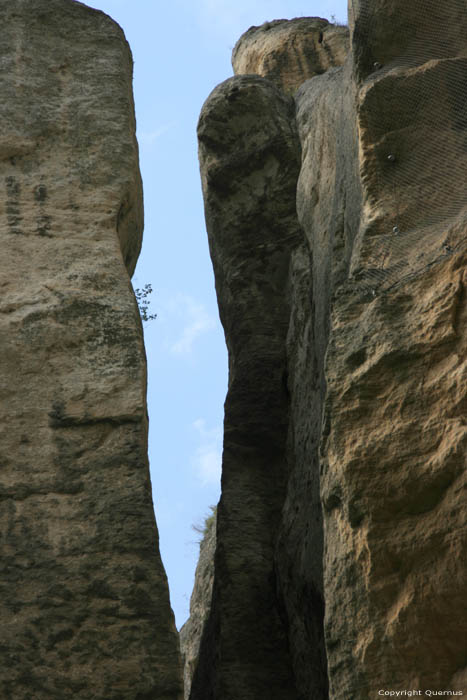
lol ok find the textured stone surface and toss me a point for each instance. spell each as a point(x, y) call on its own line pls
point(290, 51)
point(296, 555)
point(84, 603)
point(413, 109)
point(375, 342)
point(384, 31)
point(249, 174)
point(328, 206)
point(394, 468)
point(200, 604)
point(394, 487)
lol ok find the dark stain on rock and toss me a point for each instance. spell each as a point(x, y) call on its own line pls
point(356, 359)
point(61, 636)
point(356, 515)
point(56, 414)
point(43, 226)
point(13, 188)
point(40, 193)
point(101, 589)
point(44, 221)
point(333, 501)
point(13, 210)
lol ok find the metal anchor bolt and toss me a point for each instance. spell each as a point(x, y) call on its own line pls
point(391, 158)
point(377, 65)
point(395, 229)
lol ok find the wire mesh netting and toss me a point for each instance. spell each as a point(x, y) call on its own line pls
point(411, 65)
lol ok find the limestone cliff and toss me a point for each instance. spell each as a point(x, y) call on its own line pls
point(337, 224)
point(84, 605)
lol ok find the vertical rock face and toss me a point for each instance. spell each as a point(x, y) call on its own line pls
point(200, 604)
point(359, 520)
point(249, 172)
point(287, 659)
point(84, 603)
point(239, 208)
point(395, 454)
point(328, 205)
point(394, 488)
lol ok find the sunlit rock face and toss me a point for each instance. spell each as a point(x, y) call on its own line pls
point(289, 52)
point(338, 567)
point(394, 434)
point(84, 605)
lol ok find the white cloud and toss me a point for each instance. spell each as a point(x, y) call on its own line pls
point(148, 138)
point(207, 460)
point(208, 464)
point(206, 433)
point(196, 322)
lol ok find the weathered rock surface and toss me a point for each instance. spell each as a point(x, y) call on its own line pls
point(249, 174)
point(384, 31)
point(394, 460)
point(200, 604)
point(328, 206)
point(290, 51)
point(394, 487)
point(84, 603)
point(370, 331)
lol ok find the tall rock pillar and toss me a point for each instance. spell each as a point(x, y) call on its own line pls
point(84, 605)
point(264, 635)
point(249, 173)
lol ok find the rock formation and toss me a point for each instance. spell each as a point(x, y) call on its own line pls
point(200, 604)
point(337, 224)
point(291, 52)
point(253, 162)
point(395, 437)
point(84, 602)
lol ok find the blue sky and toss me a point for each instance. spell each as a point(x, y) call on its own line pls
point(181, 51)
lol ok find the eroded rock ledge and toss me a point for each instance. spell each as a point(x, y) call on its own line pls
point(341, 275)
